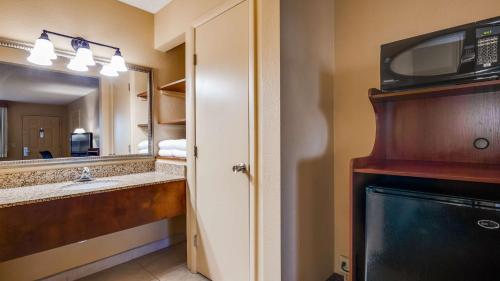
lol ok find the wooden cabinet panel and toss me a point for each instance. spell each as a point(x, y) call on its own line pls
point(36, 227)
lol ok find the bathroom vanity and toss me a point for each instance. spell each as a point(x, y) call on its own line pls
point(80, 111)
point(42, 217)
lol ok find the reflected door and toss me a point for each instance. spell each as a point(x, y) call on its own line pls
point(41, 133)
point(222, 138)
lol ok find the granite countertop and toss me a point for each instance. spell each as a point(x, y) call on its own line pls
point(46, 192)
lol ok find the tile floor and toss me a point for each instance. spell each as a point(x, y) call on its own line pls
point(165, 265)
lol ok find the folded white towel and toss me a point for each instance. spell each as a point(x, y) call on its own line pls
point(172, 153)
point(143, 145)
point(179, 144)
point(144, 151)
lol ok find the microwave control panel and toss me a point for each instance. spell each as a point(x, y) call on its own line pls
point(487, 46)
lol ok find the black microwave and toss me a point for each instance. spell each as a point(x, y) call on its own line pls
point(456, 55)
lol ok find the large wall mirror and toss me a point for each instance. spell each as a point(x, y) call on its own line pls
point(55, 114)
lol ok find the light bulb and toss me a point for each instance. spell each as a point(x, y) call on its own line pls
point(77, 66)
point(79, 131)
point(43, 51)
point(118, 62)
point(109, 70)
point(84, 56)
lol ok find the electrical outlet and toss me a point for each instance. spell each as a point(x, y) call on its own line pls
point(344, 266)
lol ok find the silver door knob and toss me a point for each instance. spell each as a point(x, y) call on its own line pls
point(240, 168)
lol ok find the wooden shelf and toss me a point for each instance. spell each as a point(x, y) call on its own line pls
point(143, 95)
point(174, 122)
point(439, 91)
point(171, 158)
point(470, 172)
point(176, 86)
point(174, 94)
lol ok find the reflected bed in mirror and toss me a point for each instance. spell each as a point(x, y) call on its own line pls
point(49, 113)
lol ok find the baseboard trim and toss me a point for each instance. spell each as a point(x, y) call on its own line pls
point(103, 264)
point(336, 277)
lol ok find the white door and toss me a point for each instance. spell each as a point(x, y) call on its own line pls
point(222, 139)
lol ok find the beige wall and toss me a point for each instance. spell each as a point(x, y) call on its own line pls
point(106, 21)
point(307, 139)
point(361, 26)
point(173, 20)
point(17, 110)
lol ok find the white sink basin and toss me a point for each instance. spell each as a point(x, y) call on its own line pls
point(91, 185)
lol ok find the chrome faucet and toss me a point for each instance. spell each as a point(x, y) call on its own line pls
point(85, 176)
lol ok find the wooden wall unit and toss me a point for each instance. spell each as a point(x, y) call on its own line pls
point(36, 227)
point(427, 135)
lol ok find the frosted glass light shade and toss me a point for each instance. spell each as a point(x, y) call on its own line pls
point(42, 53)
point(77, 66)
point(39, 59)
point(109, 70)
point(84, 57)
point(118, 63)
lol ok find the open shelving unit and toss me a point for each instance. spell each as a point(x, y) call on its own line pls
point(425, 137)
point(170, 101)
point(176, 89)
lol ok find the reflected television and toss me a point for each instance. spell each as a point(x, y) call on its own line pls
point(81, 144)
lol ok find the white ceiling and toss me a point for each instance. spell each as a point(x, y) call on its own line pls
point(152, 6)
point(24, 84)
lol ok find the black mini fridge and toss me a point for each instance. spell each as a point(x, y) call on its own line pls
point(414, 236)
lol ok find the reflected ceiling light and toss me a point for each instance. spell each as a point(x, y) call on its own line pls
point(77, 65)
point(117, 62)
point(43, 51)
point(109, 70)
point(79, 131)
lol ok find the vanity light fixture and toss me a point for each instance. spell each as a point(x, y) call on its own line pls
point(43, 53)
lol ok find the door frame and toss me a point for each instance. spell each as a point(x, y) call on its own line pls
point(191, 223)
